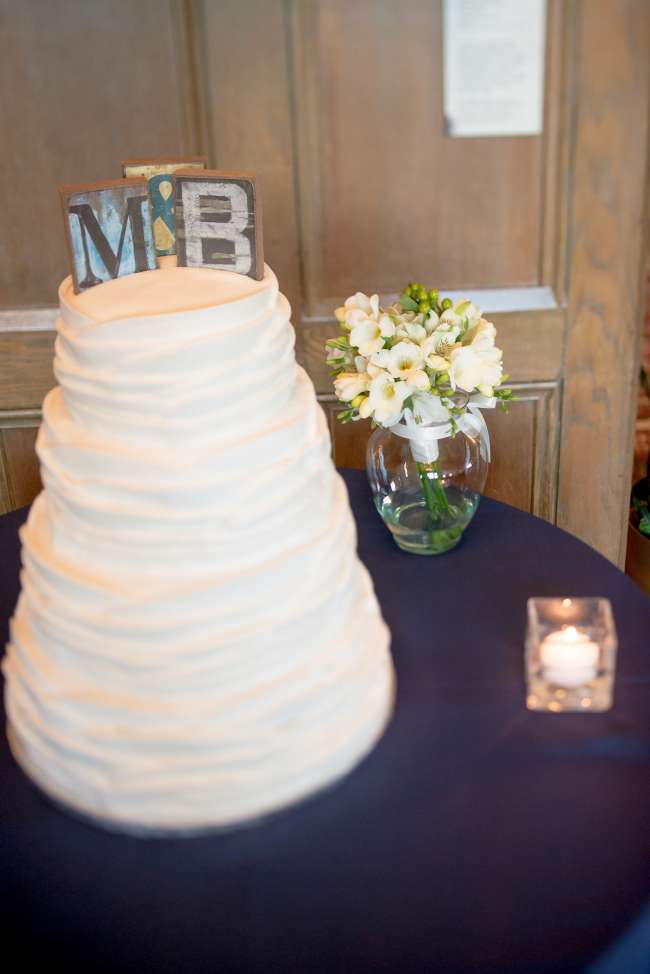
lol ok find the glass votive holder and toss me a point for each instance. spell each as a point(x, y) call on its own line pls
point(570, 655)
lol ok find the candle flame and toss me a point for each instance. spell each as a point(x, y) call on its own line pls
point(566, 603)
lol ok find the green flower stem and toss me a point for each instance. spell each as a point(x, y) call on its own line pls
point(435, 496)
point(441, 495)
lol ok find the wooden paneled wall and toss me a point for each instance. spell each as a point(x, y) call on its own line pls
point(86, 83)
point(244, 81)
point(337, 105)
point(607, 259)
point(25, 377)
point(385, 195)
point(356, 176)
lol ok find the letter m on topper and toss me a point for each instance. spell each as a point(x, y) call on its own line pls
point(108, 230)
point(219, 221)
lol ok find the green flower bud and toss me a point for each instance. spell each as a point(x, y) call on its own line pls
point(446, 304)
point(433, 295)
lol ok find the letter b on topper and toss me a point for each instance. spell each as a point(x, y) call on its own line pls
point(219, 221)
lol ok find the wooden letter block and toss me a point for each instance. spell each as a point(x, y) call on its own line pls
point(219, 222)
point(158, 173)
point(108, 230)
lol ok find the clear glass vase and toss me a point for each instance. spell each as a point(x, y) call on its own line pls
point(427, 504)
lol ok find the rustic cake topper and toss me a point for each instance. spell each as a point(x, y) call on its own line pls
point(108, 230)
point(158, 173)
point(219, 221)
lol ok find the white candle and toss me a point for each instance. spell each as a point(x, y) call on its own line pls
point(569, 658)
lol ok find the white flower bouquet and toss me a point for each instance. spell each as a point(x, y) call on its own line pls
point(423, 367)
point(410, 360)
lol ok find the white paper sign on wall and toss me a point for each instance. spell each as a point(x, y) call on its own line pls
point(493, 67)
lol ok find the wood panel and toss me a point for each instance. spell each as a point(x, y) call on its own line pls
point(385, 195)
point(6, 503)
point(245, 84)
point(524, 466)
point(25, 377)
point(349, 440)
point(20, 479)
point(91, 84)
point(523, 471)
point(607, 257)
point(25, 368)
point(559, 111)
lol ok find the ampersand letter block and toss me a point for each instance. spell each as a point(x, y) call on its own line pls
point(159, 174)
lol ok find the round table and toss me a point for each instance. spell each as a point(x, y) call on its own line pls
point(477, 837)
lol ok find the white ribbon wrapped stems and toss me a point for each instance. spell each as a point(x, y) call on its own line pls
point(424, 439)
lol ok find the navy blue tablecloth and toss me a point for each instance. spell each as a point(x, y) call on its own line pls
point(476, 837)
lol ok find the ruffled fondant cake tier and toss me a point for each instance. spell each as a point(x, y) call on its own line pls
point(196, 643)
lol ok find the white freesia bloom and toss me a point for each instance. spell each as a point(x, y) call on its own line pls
point(360, 363)
point(369, 333)
point(404, 361)
point(466, 369)
point(400, 368)
point(404, 357)
point(492, 368)
point(386, 400)
point(348, 385)
point(463, 309)
point(403, 319)
point(429, 409)
point(413, 317)
point(442, 339)
point(359, 302)
point(375, 370)
point(481, 336)
point(437, 363)
point(470, 369)
point(340, 315)
point(411, 330)
point(419, 379)
point(480, 364)
point(432, 322)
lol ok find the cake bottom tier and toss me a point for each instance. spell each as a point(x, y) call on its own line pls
point(243, 736)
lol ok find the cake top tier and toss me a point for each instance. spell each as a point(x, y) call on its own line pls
point(167, 290)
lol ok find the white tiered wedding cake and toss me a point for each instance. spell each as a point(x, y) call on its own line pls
point(196, 643)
